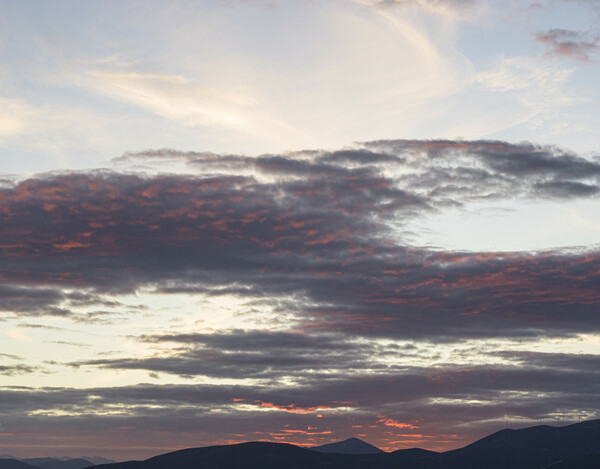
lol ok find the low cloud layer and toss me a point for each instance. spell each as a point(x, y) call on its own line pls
point(433, 407)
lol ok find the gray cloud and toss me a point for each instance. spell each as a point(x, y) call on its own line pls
point(573, 44)
point(561, 361)
point(12, 370)
point(319, 230)
point(259, 354)
point(431, 402)
point(32, 300)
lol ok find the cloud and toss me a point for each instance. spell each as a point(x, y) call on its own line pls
point(12, 370)
point(567, 189)
point(533, 83)
point(32, 300)
point(460, 9)
point(559, 361)
point(571, 44)
point(39, 299)
point(15, 369)
point(63, 342)
point(173, 97)
point(433, 402)
point(362, 328)
point(252, 354)
point(321, 230)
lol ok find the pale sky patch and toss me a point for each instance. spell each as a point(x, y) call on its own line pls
point(14, 117)
point(18, 335)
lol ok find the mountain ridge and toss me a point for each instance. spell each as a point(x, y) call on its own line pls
point(348, 446)
point(575, 446)
point(10, 462)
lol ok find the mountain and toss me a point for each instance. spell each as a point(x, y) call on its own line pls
point(14, 464)
point(542, 447)
point(43, 463)
point(590, 461)
point(533, 447)
point(349, 446)
point(53, 463)
point(93, 459)
point(255, 455)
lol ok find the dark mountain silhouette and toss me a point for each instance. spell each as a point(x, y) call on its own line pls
point(14, 464)
point(53, 463)
point(542, 447)
point(248, 456)
point(590, 461)
point(533, 447)
point(44, 463)
point(93, 459)
point(349, 446)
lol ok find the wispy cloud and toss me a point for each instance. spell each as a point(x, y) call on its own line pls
point(174, 97)
point(532, 83)
point(460, 9)
point(393, 406)
point(12, 370)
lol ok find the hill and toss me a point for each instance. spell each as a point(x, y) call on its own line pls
point(43, 463)
point(53, 463)
point(349, 446)
point(14, 464)
point(533, 447)
point(542, 447)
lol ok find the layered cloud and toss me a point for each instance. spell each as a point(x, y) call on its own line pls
point(438, 407)
point(324, 228)
point(364, 332)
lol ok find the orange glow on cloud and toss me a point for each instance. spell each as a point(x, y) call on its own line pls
point(304, 432)
point(293, 409)
point(394, 423)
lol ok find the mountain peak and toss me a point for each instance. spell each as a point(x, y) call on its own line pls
point(349, 446)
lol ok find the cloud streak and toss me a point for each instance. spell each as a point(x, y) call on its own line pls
point(415, 403)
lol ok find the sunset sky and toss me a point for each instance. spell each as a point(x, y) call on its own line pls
point(296, 221)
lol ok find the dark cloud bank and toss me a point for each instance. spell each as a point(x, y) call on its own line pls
point(323, 237)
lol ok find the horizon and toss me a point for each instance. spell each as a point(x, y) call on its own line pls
point(65, 457)
point(296, 221)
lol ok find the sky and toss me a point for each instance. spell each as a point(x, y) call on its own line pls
point(296, 221)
